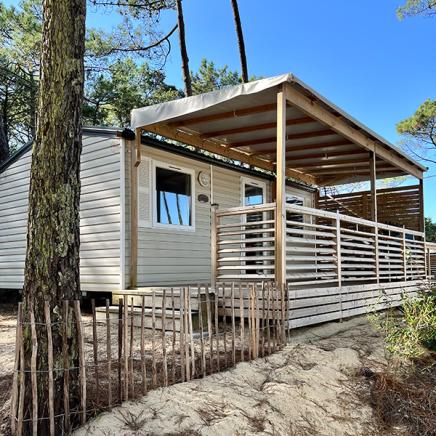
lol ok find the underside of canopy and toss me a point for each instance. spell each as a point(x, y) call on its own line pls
point(324, 145)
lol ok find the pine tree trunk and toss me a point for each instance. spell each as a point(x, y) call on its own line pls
point(4, 145)
point(52, 258)
point(241, 44)
point(183, 51)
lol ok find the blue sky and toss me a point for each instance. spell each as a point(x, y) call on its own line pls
point(356, 53)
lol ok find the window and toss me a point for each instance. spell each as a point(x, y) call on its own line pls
point(173, 196)
point(297, 201)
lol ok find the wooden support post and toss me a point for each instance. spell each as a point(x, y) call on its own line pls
point(421, 206)
point(120, 346)
point(280, 219)
point(373, 175)
point(135, 161)
point(142, 346)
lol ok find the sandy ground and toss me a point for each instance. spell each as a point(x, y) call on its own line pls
point(308, 388)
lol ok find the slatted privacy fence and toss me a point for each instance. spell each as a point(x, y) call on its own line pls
point(192, 333)
point(399, 206)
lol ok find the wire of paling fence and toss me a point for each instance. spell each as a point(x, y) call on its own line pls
point(122, 355)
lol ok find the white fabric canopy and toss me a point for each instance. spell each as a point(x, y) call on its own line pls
point(184, 106)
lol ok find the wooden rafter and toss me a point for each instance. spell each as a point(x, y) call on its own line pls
point(215, 147)
point(257, 127)
point(224, 115)
point(339, 125)
point(291, 147)
point(338, 163)
point(289, 137)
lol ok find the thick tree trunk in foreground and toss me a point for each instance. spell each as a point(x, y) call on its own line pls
point(183, 51)
point(241, 44)
point(52, 259)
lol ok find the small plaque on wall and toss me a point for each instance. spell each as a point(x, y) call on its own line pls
point(203, 198)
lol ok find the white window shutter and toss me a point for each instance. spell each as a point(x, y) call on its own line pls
point(145, 192)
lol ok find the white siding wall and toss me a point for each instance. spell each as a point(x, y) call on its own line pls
point(174, 257)
point(99, 214)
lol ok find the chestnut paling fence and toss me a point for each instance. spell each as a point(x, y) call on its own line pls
point(149, 341)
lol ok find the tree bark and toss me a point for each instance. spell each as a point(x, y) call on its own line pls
point(183, 51)
point(241, 44)
point(52, 258)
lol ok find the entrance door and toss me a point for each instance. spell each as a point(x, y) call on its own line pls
point(253, 193)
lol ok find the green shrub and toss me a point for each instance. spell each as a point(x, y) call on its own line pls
point(411, 331)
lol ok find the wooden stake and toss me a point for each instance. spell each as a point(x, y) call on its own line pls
point(143, 366)
point(233, 324)
point(108, 356)
point(224, 324)
point(82, 370)
point(14, 397)
point(182, 334)
point(33, 373)
point(268, 312)
point(66, 363)
point(186, 329)
point(191, 334)
point(241, 319)
point(174, 336)
point(50, 368)
point(153, 339)
point(132, 381)
point(262, 344)
point(250, 327)
point(257, 320)
point(95, 347)
point(126, 351)
point(200, 320)
point(22, 379)
point(217, 331)
point(120, 347)
point(209, 328)
point(164, 344)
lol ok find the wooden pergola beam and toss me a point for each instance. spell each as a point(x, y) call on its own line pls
point(290, 147)
point(222, 150)
point(225, 115)
point(289, 137)
point(328, 157)
point(332, 163)
point(316, 111)
point(257, 127)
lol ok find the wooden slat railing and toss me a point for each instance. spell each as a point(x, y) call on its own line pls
point(322, 247)
point(244, 243)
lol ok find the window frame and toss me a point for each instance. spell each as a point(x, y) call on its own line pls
point(179, 169)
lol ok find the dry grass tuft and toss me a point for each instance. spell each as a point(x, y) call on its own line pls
point(405, 399)
point(131, 421)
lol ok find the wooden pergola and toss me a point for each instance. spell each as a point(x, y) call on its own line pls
point(279, 125)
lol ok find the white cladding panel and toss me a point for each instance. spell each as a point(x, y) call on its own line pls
point(99, 216)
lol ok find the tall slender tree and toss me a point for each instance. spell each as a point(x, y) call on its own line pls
point(241, 44)
point(52, 258)
point(183, 51)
